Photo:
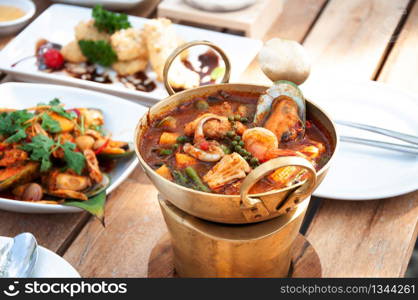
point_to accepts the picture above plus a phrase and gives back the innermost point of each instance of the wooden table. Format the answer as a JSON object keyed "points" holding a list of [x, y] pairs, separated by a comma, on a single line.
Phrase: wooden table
{"points": [[365, 39]]}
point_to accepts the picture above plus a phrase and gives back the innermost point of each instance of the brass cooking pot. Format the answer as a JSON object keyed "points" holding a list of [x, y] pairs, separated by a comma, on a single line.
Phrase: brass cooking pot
{"points": [[243, 208]]}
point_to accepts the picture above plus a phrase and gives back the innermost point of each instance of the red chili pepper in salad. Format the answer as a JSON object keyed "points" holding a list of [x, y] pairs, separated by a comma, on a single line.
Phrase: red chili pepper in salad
{"points": [[76, 111], [102, 147]]}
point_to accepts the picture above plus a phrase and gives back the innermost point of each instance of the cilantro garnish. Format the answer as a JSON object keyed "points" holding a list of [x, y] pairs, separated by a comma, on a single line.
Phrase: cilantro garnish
{"points": [[58, 109], [12, 125], [49, 124], [20, 134], [99, 52], [108, 21], [98, 128], [41, 148], [74, 160]]}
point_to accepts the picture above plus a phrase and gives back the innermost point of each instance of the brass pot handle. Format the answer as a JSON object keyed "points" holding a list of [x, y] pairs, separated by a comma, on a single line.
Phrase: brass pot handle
{"points": [[186, 46], [254, 208]]}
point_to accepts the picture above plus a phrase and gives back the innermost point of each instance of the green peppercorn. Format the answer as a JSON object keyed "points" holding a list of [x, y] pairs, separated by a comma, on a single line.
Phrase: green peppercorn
{"points": [[254, 161], [237, 117], [230, 134], [182, 139], [237, 138], [230, 118], [244, 120], [238, 148], [175, 146], [241, 143]]}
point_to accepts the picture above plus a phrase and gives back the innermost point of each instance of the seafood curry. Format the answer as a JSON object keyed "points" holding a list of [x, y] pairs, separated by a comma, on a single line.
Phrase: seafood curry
{"points": [[211, 143]]}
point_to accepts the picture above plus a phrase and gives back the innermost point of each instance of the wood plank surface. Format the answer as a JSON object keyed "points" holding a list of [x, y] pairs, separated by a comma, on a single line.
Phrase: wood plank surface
{"points": [[401, 66], [57, 231], [363, 238], [131, 232], [350, 38]]}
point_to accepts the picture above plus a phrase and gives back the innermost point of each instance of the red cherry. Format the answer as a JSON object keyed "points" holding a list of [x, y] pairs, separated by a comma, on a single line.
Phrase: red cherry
{"points": [[53, 58]]}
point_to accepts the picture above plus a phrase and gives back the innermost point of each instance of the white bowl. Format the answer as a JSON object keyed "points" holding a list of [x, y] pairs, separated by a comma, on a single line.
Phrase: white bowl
{"points": [[13, 26]]}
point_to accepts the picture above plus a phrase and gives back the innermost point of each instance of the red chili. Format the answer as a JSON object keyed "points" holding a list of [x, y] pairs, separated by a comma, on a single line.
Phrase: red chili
{"points": [[76, 111], [101, 148], [204, 145]]}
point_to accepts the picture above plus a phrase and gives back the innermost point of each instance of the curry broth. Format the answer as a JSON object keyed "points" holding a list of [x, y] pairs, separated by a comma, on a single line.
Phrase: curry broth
{"points": [[187, 112]]}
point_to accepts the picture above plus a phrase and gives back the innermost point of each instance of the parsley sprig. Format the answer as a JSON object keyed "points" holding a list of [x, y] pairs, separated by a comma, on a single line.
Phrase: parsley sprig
{"points": [[108, 21], [41, 147], [99, 52]]}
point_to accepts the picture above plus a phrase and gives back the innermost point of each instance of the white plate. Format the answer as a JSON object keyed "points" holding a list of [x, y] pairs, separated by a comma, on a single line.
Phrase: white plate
{"points": [[362, 172], [57, 25], [121, 117], [110, 4], [49, 264]]}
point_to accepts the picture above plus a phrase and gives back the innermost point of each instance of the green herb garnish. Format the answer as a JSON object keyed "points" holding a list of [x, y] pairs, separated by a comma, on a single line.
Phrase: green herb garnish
{"points": [[55, 106], [74, 160], [108, 21], [99, 52], [49, 124], [12, 125], [41, 148]]}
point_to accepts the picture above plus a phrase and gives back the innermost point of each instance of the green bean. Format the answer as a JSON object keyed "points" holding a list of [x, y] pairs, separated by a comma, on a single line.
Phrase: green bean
{"points": [[179, 178], [230, 134], [196, 179], [165, 151]]}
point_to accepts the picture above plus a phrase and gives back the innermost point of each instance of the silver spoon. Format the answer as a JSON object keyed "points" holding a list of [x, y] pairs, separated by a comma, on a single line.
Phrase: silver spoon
{"points": [[19, 256]]}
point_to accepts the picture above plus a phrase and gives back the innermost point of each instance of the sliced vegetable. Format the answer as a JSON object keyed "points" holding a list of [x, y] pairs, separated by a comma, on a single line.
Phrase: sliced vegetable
{"points": [[168, 138], [164, 171], [184, 160], [192, 174], [65, 124], [14, 176]]}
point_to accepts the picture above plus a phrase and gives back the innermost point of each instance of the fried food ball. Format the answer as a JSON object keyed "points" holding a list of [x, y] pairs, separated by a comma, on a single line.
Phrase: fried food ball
{"points": [[85, 30], [130, 67], [72, 53], [129, 44]]}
